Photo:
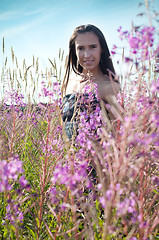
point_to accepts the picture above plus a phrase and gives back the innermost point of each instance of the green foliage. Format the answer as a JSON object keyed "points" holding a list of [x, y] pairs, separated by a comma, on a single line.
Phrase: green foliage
{"points": [[31, 132]]}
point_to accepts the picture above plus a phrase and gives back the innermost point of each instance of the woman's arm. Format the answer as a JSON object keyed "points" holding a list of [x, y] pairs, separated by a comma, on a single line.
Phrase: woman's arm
{"points": [[108, 91]]}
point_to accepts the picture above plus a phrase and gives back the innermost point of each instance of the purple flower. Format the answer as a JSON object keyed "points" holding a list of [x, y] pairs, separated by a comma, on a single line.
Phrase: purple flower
{"points": [[155, 180], [23, 182], [53, 195], [9, 172], [13, 213], [72, 173], [155, 86], [109, 194], [134, 43], [127, 206], [127, 59], [139, 41], [113, 51], [102, 201]]}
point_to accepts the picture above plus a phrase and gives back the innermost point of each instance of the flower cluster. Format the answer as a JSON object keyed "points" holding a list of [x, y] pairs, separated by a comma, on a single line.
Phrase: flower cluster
{"points": [[90, 118], [155, 86], [9, 173], [140, 41], [14, 213], [126, 206], [54, 93], [14, 99], [72, 174], [12, 184], [102, 183]]}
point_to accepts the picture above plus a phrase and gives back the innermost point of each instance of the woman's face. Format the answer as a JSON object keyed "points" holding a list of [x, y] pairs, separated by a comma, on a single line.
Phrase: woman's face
{"points": [[88, 51]]}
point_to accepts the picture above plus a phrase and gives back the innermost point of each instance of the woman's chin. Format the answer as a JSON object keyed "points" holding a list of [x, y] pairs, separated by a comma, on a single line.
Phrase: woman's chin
{"points": [[89, 69]]}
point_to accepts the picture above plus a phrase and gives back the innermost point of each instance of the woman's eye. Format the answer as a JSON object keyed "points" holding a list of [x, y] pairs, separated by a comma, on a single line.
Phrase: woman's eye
{"points": [[93, 46], [80, 48]]}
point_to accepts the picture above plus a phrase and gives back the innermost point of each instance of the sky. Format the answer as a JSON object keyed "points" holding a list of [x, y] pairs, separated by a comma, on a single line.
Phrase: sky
{"points": [[42, 27]]}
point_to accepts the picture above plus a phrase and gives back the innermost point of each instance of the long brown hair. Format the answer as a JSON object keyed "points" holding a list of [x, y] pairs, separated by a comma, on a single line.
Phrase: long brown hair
{"points": [[106, 64]]}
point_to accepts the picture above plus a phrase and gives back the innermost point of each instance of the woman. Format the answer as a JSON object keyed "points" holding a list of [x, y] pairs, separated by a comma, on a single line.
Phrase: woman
{"points": [[88, 53]]}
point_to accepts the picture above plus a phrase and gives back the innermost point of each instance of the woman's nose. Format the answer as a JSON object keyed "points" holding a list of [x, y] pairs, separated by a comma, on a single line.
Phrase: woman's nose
{"points": [[86, 53]]}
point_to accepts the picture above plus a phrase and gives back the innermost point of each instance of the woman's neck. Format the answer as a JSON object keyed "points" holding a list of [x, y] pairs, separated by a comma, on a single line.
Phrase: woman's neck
{"points": [[94, 76]]}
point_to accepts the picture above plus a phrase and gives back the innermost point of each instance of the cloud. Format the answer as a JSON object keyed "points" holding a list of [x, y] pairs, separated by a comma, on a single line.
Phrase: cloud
{"points": [[15, 14], [25, 20], [35, 12], [8, 15], [18, 28]]}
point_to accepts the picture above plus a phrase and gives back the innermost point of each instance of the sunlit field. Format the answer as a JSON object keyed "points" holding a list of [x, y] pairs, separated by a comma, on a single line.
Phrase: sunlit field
{"points": [[104, 183]]}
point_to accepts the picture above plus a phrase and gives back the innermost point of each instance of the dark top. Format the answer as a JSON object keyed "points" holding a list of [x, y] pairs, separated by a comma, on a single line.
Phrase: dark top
{"points": [[72, 105]]}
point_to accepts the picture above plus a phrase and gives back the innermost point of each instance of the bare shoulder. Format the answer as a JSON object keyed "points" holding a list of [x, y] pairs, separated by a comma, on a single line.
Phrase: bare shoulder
{"points": [[108, 87], [73, 84], [110, 83]]}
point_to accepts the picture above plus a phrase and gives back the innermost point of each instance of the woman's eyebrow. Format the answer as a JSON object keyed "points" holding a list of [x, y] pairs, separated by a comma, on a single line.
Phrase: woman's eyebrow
{"points": [[93, 44], [79, 46]]}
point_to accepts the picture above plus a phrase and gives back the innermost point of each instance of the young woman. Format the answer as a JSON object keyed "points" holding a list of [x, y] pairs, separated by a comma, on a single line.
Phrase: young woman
{"points": [[88, 54]]}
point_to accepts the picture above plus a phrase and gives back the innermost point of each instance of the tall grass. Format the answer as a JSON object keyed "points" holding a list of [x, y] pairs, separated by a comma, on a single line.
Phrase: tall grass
{"points": [[104, 183], [27, 79]]}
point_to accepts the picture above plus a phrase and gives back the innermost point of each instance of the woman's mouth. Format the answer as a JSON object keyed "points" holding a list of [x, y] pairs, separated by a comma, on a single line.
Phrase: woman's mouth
{"points": [[88, 62]]}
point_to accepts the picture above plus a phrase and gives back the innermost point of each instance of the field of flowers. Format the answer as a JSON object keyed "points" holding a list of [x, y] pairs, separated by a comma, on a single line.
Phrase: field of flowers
{"points": [[102, 185]]}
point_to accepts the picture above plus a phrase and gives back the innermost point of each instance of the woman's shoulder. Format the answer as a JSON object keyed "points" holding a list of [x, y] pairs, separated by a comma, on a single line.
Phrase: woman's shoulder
{"points": [[108, 87], [111, 79], [73, 84]]}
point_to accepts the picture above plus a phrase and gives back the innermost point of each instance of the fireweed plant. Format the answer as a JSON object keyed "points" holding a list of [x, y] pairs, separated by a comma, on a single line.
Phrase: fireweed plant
{"points": [[104, 183]]}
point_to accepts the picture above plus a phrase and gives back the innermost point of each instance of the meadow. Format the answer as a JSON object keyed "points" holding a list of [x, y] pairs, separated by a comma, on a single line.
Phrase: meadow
{"points": [[102, 185]]}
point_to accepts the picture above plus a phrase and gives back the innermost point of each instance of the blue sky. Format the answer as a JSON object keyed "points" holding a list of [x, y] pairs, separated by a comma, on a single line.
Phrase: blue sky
{"points": [[41, 27]]}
